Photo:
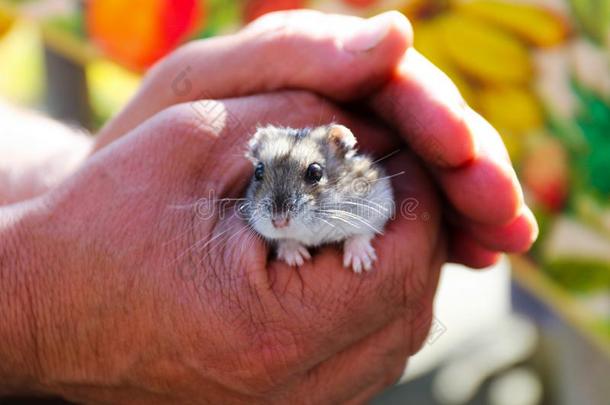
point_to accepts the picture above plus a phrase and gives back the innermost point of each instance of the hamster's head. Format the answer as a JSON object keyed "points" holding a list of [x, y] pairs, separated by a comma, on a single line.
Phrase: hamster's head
{"points": [[295, 174]]}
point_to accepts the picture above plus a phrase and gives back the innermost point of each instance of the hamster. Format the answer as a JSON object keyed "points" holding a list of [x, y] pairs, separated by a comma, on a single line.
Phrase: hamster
{"points": [[310, 187]]}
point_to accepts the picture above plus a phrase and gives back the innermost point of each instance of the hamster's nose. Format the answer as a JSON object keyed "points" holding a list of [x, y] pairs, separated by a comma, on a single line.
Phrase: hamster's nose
{"points": [[280, 221]]}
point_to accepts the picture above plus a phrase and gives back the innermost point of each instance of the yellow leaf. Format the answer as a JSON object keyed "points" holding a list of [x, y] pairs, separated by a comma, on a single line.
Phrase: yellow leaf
{"points": [[466, 90], [410, 8], [533, 24], [5, 23], [514, 144], [428, 41], [483, 51], [514, 109], [110, 87]]}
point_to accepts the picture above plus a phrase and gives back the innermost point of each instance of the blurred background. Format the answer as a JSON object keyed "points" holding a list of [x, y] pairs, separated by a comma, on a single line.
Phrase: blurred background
{"points": [[533, 330]]}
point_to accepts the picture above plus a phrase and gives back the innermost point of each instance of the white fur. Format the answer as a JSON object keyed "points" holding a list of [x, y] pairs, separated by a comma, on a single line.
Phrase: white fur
{"points": [[308, 230]]}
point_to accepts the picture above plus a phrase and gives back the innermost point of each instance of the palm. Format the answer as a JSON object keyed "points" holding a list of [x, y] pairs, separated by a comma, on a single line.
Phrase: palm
{"points": [[199, 285]]}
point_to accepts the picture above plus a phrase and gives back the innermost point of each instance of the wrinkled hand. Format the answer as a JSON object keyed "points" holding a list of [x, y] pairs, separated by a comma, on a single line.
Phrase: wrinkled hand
{"points": [[370, 62], [141, 298]]}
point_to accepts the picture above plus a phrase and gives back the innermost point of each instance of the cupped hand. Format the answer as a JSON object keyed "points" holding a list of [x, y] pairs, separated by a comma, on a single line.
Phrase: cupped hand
{"points": [[152, 288], [369, 63]]}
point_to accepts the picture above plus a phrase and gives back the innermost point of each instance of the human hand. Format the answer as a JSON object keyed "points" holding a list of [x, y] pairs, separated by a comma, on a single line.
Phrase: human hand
{"points": [[139, 298], [36, 153], [369, 62]]}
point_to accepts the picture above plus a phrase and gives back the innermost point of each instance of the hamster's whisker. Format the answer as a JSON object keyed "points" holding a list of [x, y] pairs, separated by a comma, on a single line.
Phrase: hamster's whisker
{"points": [[178, 236], [194, 204], [325, 221], [341, 215], [360, 205], [330, 216], [212, 240], [355, 217], [361, 208], [245, 228], [389, 177], [184, 206], [389, 155], [194, 245], [350, 216], [219, 243], [365, 201], [336, 181]]}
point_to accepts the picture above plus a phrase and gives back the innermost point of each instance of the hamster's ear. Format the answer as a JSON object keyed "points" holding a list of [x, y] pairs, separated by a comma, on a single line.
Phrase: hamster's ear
{"points": [[342, 141], [254, 144]]}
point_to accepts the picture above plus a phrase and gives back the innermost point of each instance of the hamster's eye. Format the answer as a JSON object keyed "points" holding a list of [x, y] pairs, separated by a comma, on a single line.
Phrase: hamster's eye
{"points": [[259, 171], [314, 173]]}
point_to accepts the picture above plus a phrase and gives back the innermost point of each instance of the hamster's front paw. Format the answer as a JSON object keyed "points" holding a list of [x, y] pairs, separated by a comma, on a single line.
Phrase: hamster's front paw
{"points": [[292, 252], [358, 253]]}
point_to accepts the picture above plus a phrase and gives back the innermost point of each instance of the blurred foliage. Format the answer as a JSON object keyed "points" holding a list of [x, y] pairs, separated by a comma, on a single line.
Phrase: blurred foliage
{"points": [[491, 49], [593, 17], [6, 23], [593, 120], [110, 88], [580, 275], [22, 65]]}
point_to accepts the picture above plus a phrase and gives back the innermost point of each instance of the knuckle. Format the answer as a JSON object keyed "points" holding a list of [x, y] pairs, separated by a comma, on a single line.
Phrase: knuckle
{"points": [[303, 101], [415, 282], [405, 26], [309, 99], [272, 28], [409, 273], [297, 108], [189, 121], [281, 19], [422, 323], [274, 350], [293, 39], [272, 357], [394, 373], [397, 287], [290, 31]]}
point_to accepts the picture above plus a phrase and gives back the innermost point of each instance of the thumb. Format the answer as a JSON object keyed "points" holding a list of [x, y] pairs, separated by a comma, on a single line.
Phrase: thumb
{"points": [[337, 56]]}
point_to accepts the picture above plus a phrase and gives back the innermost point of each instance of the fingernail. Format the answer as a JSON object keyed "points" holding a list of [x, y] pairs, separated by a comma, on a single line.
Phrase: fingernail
{"points": [[474, 121], [369, 34], [533, 222]]}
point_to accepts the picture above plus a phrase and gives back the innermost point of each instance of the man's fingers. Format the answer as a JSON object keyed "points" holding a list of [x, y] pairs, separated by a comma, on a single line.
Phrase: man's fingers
{"points": [[322, 307], [505, 224], [514, 237], [337, 56], [479, 245], [354, 54], [429, 112], [379, 359], [198, 132], [376, 361], [464, 249], [487, 181], [467, 154]]}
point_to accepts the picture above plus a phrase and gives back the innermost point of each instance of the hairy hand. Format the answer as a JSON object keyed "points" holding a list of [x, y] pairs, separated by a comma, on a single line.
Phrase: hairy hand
{"points": [[371, 64], [144, 295]]}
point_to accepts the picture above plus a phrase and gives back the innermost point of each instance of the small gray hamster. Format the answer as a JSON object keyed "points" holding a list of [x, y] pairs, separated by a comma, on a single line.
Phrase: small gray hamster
{"points": [[311, 187]]}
